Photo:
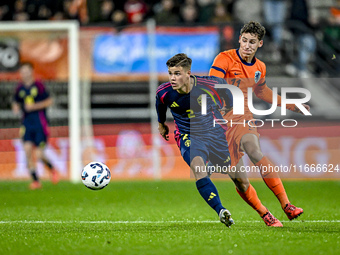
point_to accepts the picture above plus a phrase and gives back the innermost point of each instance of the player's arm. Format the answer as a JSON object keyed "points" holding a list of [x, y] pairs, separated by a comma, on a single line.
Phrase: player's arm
{"points": [[161, 113], [164, 130], [39, 105], [266, 94], [15, 108], [219, 67], [227, 98]]}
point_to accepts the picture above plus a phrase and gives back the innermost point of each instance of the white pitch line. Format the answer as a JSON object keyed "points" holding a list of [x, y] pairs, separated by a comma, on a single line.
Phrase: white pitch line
{"points": [[150, 222]]}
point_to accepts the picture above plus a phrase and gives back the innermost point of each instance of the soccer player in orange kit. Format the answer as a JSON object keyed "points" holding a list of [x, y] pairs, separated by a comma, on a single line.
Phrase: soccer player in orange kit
{"points": [[241, 68]]}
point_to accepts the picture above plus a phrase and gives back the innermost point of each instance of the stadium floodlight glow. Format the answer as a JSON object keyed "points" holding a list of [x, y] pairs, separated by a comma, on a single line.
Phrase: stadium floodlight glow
{"points": [[72, 29]]}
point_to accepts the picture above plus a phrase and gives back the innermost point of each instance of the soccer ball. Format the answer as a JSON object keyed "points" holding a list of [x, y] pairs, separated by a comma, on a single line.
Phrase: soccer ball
{"points": [[96, 175]]}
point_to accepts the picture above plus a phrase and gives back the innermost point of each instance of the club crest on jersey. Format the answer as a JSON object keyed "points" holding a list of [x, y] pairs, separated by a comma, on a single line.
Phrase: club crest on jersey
{"points": [[34, 91], [257, 76], [22, 93], [199, 100]]}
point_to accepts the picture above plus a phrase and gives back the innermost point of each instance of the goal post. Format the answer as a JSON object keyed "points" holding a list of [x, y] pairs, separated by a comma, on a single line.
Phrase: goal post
{"points": [[72, 29], [153, 84]]}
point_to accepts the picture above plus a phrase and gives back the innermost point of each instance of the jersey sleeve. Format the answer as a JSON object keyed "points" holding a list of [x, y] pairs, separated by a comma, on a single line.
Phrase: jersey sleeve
{"points": [[220, 66], [161, 109], [226, 95], [16, 97], [43, 93], [228, 99], [266, 94], [262, 91]]}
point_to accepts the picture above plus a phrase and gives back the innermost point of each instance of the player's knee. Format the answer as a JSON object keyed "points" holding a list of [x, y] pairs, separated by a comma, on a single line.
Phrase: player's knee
{"points": [[241, 184], [39, 156], [253, 151], [30, 164], [198, 167]]}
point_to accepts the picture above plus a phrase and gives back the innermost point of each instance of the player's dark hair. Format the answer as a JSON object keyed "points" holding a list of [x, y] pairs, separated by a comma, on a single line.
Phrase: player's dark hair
{"points": [[29, 64], [255, 28], [180, 59]]}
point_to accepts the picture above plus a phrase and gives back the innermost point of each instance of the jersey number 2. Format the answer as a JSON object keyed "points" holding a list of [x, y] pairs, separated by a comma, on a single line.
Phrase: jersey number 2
{"points": [[190, 113]]}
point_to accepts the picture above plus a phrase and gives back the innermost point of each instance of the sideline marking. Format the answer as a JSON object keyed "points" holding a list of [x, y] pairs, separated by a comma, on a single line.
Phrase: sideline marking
{"points": [[149, 222]]}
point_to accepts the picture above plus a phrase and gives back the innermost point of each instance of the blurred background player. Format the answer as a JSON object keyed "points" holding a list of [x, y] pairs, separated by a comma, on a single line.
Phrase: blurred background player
{"points": [[240, 68], [32, 99]]}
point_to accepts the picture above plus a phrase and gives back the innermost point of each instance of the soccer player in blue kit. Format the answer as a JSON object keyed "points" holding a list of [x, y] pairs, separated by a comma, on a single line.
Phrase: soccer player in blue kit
{"points": [[197, 137], [32, 99]]}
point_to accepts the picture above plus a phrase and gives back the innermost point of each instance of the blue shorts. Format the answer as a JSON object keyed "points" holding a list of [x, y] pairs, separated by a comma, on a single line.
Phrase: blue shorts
{"points": [[210, 148], [34, 134]]}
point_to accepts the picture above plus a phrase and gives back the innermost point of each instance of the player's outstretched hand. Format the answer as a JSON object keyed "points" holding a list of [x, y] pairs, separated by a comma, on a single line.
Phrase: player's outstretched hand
{"points": [[225, 110], [29, 107], [164, 130], [16, 109], [304, 105]]}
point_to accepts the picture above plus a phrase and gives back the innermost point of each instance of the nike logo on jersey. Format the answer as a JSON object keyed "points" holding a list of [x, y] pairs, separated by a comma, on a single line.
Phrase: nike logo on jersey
{"points": [[237, 73], [212, 195], [174, 104]]}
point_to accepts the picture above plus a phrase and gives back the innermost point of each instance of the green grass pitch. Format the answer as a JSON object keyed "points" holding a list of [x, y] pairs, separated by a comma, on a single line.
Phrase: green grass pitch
{"points": [[165, 217]]}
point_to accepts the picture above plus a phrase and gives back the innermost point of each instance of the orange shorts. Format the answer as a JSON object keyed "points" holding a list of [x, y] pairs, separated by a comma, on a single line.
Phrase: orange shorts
{"points": [[234, 135]]}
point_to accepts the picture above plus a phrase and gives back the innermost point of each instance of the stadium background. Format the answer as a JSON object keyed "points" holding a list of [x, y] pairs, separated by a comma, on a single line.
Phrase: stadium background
{"points": [[114, 64]]}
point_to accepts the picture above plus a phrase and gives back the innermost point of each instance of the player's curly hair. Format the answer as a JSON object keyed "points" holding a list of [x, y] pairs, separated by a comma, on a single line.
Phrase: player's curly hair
{"points": [[255, 28], [180, 59]]}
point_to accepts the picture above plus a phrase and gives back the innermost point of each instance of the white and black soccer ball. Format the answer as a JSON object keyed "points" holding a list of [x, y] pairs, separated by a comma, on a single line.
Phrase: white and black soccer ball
{"points": [[96, 175]]}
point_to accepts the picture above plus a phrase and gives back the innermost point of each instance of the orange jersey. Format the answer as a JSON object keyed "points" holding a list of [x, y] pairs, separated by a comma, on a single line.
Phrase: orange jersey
{"points": [[230, 66]]}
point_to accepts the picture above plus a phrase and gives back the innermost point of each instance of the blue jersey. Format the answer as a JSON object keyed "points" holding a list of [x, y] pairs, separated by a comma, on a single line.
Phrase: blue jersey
{"points": [[187, 108], [29, 95]]}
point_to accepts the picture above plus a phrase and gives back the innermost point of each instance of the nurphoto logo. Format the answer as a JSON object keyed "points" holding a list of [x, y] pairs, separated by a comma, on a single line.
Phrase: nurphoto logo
{"points": [[238, 105]]}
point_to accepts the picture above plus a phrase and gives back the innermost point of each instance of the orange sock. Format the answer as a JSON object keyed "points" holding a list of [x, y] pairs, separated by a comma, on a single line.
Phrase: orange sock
{"points": [[252, 199], [273, 180]]}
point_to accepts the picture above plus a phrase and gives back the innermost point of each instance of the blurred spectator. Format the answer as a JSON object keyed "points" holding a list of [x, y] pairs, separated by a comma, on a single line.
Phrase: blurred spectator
{"points": [[73, 9], [109, 13], [119, 18], [77, 9], [93, 10], [246, 10], [167, 13], [220, 15], [206, 10], [39, 9], [229, 5], [189, 2], [135, 10], [6, 9], [189, 14], [334, 17], [274, 15], [332, 33], [303, 35], [20, 13], [44, 13], [106, 10], [61, 10]]}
